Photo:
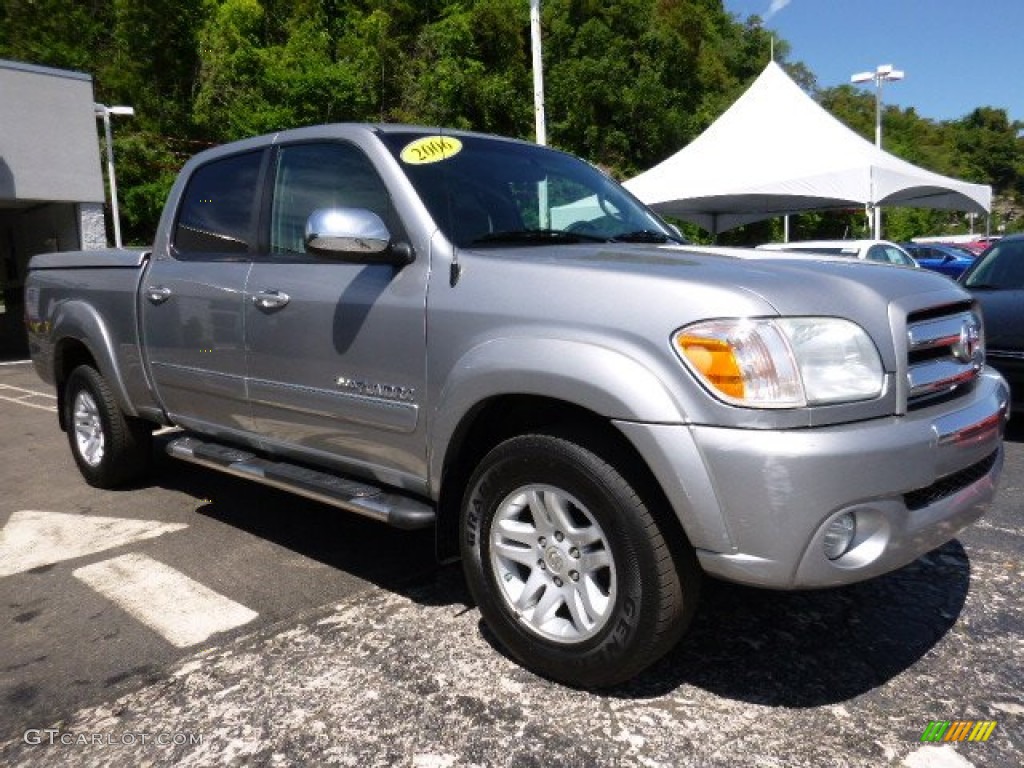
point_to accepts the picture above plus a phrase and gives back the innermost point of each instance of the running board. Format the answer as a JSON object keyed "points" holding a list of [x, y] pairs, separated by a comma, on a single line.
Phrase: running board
{"points": [[393, 509]]}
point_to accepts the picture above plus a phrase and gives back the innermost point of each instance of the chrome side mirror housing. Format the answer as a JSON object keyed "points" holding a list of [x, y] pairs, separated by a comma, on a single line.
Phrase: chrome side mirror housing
{"points": [[354, 235]]}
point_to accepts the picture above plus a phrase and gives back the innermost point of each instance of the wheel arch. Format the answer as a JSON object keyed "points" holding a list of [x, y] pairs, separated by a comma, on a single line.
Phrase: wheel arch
{"points": [[501, 417], [68, 355], [83, 339]]}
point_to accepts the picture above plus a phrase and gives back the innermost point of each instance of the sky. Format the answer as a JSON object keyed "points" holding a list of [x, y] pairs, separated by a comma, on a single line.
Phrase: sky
{"points": [[956, 55]]}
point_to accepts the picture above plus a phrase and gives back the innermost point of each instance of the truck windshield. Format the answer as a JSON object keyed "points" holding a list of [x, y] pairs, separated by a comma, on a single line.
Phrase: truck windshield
{"points": [[486, 192], [1000, 267]]}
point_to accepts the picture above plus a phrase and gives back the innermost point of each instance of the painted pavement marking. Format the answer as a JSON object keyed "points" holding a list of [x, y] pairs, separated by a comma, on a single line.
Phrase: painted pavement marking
{"points": [[184, 611], [32, 539], [6, 394]]}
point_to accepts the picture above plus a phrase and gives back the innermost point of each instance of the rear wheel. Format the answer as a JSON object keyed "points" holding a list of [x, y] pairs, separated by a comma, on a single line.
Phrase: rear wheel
{"points": [[569, 566], [110, 448]]}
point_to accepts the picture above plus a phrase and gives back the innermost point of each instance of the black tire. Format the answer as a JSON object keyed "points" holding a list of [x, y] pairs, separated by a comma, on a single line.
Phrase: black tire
{"points": [[110, 449], [602, 600]]}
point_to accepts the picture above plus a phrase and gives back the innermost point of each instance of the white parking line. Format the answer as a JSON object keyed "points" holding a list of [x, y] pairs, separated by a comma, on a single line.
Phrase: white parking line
{"points": [[16, 362], [16, 401], [28, 391], [32, 538], [184, 611], [23, 399]]}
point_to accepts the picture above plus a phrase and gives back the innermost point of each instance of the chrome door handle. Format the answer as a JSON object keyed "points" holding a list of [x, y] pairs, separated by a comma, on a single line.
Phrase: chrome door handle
{"points": [[158, 294], [270, 299]]}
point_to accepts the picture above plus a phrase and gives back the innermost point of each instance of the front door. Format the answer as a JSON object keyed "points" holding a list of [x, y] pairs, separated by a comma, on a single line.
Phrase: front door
{"points": [[337, 351]]}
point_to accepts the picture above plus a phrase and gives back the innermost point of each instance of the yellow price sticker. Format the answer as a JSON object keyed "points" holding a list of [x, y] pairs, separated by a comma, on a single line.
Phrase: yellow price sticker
{"points": [[430, 149]]}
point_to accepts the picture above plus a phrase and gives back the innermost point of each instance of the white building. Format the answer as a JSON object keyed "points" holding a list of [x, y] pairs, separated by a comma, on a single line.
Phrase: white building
{"points": [[51, 183]]}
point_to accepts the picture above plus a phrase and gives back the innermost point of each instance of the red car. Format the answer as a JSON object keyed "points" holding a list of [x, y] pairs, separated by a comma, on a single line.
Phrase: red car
{"points": [[977, 246]]}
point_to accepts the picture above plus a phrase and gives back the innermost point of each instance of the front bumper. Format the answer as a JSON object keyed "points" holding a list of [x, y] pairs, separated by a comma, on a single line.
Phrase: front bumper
{"points": [[755, 503], [1010, 363]]}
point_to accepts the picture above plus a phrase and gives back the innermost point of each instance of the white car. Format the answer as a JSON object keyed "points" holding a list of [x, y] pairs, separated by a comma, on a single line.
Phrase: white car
{"points": [[881, 251]]}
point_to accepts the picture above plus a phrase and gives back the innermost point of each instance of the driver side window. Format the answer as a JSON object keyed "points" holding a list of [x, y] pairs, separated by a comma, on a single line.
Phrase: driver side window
{"points": [[325, 175]]}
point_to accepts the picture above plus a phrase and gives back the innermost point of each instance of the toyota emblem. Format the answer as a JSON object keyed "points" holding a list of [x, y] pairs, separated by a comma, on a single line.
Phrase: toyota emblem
{"points": [[967, 349]]}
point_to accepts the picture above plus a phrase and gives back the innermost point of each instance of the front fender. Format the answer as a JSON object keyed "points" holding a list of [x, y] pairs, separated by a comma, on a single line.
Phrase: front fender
{"points": [[600, 379]]}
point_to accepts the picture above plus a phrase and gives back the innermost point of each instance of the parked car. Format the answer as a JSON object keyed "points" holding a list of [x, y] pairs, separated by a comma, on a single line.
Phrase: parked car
{"points": [[939, 257], [881, 251], [979, 245], [969, 253], [996, 280]]}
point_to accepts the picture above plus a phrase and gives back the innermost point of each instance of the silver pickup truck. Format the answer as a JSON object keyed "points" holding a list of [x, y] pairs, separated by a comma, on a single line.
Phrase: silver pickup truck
{"points": [[440, 328]]}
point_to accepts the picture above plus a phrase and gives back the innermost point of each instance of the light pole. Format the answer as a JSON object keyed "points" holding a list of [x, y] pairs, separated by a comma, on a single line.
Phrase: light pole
{"points": [[538, 73], [103, 111], [883, 73], [538, 105]]}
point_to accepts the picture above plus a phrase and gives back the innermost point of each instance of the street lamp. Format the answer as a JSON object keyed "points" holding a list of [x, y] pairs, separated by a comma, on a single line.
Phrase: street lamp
{"points": [[538, 104], [883, 73], [538, 73], [103, 111]]}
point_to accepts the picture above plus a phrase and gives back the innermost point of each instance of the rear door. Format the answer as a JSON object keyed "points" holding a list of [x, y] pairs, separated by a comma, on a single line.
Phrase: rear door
{"points": [[337, 351], [193, 296]]}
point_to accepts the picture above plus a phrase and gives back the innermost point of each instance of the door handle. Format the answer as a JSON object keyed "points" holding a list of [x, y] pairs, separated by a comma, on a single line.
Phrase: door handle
{"points": [[158, 294], [270, 299]]}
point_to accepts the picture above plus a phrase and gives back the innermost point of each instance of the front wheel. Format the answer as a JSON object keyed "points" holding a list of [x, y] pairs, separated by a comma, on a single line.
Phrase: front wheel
{"points": [[110, 449], [568, 565]]}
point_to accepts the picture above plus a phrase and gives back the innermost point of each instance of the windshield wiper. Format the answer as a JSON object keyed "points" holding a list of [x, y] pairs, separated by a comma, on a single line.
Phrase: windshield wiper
{"points": [[539, 236], [643, 236]]}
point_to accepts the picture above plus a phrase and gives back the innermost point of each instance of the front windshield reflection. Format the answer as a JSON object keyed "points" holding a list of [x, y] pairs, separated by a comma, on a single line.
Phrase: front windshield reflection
{"points": [[486, 192]]}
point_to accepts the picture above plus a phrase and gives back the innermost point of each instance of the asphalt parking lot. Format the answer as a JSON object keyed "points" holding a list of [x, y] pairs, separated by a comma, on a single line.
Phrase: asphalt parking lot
{"points": [[306, 637]]}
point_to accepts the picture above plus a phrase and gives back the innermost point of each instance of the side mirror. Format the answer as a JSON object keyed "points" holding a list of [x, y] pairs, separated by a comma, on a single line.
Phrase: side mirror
{"points": [[354, 235]]}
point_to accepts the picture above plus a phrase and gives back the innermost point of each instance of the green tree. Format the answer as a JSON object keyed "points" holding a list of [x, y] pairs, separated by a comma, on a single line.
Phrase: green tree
{"points": [[230, 101], [989, 146], [55, 33], [627, 83], [471, 69]]}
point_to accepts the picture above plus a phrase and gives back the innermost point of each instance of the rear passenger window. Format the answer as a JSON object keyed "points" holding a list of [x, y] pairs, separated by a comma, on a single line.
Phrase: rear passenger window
{"points": [[217, 216]]}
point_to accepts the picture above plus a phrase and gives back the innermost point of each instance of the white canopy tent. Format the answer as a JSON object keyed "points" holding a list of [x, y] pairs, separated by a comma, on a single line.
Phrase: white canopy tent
{"points": [[775, 152]]}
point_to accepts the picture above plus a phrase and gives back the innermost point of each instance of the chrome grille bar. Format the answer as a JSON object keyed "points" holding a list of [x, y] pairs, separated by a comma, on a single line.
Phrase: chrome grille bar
{"points": [[938, 333], [945, 353]]}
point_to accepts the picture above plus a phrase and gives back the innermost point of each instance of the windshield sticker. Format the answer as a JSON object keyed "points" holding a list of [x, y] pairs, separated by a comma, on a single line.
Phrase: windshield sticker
{"points": [[431, 149]]}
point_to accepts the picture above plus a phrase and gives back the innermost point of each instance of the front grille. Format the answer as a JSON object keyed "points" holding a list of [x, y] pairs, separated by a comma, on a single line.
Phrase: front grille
{"points": [[950, 484], [945, 353]]}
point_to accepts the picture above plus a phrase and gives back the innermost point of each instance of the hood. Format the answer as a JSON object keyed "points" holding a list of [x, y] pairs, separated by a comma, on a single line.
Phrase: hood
{"points": [[630, 300], [689, 283]]}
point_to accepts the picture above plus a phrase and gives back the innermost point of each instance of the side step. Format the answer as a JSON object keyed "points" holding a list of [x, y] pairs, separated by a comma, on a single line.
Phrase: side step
{"points": [[393, 509]]}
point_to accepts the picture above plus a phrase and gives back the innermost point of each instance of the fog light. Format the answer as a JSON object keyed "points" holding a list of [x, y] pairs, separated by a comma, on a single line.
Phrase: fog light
{"points": [[839, 536]]}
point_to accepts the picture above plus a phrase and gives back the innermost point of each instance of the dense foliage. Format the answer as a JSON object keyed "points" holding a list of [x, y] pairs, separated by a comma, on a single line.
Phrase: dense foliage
{"points": [[627, 83]]}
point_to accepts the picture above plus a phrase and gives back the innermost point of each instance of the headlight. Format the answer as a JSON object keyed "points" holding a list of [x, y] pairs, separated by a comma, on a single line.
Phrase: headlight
{"points": [[782, 362]]}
